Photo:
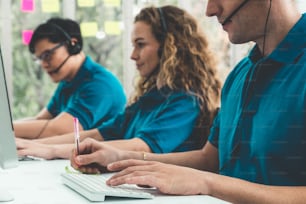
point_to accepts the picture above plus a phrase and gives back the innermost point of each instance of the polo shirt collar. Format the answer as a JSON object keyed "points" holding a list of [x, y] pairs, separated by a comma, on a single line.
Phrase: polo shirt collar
{"points": [[290, 48], [80, 74], [154, 97]]}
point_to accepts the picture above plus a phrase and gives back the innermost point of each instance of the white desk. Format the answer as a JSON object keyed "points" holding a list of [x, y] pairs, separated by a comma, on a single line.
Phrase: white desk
{"points": [[39, 182]]}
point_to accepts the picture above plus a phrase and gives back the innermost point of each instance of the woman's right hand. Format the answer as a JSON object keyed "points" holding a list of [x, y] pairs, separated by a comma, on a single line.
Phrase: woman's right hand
{"points": [[94, 156]]}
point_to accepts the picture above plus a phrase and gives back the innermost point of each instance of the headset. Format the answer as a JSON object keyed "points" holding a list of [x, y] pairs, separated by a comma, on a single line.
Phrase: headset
{"points": [[162, 20], [164, 27], [72, 47], [235, 11]]}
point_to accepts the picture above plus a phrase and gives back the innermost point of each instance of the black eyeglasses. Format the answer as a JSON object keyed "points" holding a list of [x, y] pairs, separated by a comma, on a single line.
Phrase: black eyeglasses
{"points": [[46, 56]]}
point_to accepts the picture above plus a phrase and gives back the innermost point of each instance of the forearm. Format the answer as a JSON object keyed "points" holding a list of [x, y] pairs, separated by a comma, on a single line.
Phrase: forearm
{"points": [[135, 144], [29, 129], [46, 151], [239, 191], [204, 159], [63, 151], [69, 138], [36, 129], [58, 139], [193, 159], [170, 158], [93, 133]]}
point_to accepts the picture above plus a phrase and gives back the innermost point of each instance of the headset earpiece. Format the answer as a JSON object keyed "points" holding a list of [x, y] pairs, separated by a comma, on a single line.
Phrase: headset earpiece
{"points": [[72, 47]]}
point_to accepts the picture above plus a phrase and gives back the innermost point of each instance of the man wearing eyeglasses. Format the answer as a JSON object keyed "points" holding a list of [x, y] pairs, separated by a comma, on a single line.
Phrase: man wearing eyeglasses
{"points": [[86, 90]]}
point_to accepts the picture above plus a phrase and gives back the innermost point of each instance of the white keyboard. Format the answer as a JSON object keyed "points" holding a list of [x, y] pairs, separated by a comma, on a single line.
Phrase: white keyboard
{"points": [[94, 187]]}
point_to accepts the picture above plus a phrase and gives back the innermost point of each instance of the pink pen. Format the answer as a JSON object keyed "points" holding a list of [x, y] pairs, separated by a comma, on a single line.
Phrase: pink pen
{"points": [[76, 133]]}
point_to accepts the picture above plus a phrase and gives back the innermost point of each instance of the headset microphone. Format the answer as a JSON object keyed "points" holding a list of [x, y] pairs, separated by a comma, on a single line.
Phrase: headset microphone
{"points": [[60, 66], [234, 12]]}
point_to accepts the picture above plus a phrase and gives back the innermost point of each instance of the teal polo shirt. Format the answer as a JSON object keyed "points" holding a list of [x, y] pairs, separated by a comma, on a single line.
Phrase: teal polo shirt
{"points": [[94, 96], [260, 129], [164, 119]]}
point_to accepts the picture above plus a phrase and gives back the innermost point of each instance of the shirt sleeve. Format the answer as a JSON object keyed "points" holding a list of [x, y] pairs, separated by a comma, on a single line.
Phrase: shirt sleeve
{"points": [[172, 125], [214, 131], [88, 103], [91, 103], [94, 96], [114, 128], [53, 106]]}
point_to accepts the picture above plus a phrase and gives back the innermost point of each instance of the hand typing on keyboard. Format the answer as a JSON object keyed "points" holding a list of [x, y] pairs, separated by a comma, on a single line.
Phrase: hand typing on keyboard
{"points": [[160, 176]]}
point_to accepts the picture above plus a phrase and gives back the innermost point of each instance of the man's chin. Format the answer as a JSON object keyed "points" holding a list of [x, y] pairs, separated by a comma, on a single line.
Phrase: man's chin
{"points": [[54, 79]]}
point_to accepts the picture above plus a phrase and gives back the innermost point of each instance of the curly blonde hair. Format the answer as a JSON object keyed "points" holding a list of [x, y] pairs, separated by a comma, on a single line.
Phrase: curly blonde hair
{"points": [[186, 62]]}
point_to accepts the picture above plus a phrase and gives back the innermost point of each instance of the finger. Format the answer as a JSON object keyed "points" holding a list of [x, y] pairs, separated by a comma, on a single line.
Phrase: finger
{"points": [[123, 164], [93, 169], [29, 152], [84, 147], [89, 170], [86, 159], [73, 161], [145, 178], [134, 170], [22, 152], [141, 178], [88, 146], [20, 144]]}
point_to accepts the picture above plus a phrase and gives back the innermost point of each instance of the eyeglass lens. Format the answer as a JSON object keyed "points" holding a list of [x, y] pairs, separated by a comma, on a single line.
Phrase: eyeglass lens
{"points": [[47, 55]]}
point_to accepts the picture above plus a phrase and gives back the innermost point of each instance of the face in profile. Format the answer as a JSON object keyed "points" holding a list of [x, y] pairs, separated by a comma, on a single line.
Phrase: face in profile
{"points": [[245, 25], [49, 56], [145, 51]]}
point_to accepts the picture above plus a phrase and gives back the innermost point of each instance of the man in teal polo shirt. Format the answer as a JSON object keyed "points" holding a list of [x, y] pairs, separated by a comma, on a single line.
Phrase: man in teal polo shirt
{"points": [[260, 133], [85, 90], [256, 151]]}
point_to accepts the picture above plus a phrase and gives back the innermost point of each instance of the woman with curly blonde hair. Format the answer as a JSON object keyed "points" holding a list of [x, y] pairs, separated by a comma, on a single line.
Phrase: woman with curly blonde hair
{"points": [[186, 63], [176, 95]]}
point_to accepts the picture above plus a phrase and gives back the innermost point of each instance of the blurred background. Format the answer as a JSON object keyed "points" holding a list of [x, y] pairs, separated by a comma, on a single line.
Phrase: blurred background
{"points": [[106, 26]]}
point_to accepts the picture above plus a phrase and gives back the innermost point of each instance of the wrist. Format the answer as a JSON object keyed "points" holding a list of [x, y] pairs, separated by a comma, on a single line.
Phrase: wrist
{"points": [[55, 152], [207, 183], [60, 151], [123, 155]]}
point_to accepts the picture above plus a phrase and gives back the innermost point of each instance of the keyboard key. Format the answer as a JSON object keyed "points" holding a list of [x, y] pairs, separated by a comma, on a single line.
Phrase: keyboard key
{"points": [[94, 187]]}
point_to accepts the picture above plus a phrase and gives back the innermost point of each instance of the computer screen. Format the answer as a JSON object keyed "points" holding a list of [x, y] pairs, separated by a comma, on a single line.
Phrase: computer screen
{"points": [[8, 152]]}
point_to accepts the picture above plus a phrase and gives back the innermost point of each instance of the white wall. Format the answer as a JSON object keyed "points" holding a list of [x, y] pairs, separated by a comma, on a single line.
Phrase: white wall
{"points": [[301, 5]]}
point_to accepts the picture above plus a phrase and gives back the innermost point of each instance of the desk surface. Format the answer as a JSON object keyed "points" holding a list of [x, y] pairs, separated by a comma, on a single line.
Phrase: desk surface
{"points": [[39, 182]]}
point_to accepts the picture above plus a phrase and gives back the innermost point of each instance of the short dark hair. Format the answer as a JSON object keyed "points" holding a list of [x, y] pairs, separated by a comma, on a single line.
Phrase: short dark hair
{"points": [[56, 30]]}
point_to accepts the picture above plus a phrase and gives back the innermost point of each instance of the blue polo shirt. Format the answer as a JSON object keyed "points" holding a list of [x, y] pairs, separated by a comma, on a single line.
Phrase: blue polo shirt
{"points": [[94, 95], [164, 119], [260, 130]]}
